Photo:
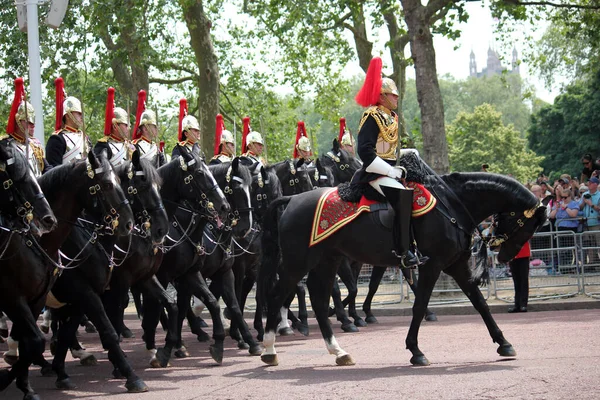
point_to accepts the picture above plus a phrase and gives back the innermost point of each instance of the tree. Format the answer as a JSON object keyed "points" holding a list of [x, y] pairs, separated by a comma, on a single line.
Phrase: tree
{"points": [[481, 138], [569, 128]]}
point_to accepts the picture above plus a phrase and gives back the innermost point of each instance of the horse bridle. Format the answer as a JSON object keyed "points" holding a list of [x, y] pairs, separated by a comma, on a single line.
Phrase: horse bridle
{"points": [[338, 162], [204, 202], [496, 240], [294, 181], [143, 217], [24, 209], [233, 216]]}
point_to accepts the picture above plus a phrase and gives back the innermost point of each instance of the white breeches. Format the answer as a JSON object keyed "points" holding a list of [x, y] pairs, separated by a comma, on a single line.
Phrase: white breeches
{"points": [[385, 181]]}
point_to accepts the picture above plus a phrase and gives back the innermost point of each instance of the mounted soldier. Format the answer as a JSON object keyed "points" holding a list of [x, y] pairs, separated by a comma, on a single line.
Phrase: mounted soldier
{"points": [[252, 146], [224, 143], [302, 147], [116, 133], [20, 127], [345, 138], [189, 129], [378, 142], [145, 133], [67, 143]]}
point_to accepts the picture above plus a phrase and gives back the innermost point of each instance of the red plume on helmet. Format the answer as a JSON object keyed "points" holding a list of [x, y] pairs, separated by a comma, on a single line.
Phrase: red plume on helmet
{"points": [[182, 114], [19, 93], [110, 111], [301, 131], [59, 84], [245, 132], [342, 129], [218, 132], [141, 107], [369, 93]]}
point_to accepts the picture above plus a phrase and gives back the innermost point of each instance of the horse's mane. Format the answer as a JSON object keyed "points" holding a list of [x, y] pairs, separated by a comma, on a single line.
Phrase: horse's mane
{"points": [[169, 172], [476, 181], [21, 164], [280, 166], [57, 178], [219, 171], [276, 190]]}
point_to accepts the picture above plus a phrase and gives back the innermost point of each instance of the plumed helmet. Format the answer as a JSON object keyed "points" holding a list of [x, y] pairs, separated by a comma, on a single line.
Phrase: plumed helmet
{"points": [[346, 139], [22, 115], [148, 118], [254, 137], [71, 104], [227, 137], [304, 143], [389, 86], [189, 122], [120, 116]]}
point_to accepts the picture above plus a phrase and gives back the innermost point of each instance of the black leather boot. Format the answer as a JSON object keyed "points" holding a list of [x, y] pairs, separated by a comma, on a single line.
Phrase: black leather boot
{"points": [[401, 202]]}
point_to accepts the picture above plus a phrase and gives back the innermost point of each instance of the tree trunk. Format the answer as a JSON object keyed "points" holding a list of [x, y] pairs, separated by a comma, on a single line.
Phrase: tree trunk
{"points": [[435, 146], [199, 27]]}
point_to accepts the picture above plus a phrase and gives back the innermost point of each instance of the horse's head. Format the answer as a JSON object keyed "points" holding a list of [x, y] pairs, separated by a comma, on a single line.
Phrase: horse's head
{"points": [[320, 175], [141, 183], [294, 179], [102, 197], [265, 188], [512, 229], [195, 183], [342, 163], [22, 203], [235, 180]]}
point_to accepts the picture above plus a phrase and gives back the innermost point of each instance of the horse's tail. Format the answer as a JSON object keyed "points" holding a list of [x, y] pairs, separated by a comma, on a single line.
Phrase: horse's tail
{"points": [[267, 272], [480, 272]]}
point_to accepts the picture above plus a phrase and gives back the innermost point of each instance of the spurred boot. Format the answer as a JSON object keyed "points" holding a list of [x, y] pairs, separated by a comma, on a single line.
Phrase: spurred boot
{"points": [[401, 202]]}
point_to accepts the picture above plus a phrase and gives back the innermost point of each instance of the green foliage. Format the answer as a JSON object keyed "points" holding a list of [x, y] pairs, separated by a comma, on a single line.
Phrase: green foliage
{"points": [[482, 138], [569, 128]]}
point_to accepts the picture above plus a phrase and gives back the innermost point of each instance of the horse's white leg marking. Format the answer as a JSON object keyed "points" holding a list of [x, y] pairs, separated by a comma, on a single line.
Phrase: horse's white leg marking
{"points": [[334, 348], [284, 318], [269, 343], [13, 347]]}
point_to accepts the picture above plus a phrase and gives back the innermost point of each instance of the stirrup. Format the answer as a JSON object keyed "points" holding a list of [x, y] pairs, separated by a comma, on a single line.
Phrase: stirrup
{"points": [[408, 260]]}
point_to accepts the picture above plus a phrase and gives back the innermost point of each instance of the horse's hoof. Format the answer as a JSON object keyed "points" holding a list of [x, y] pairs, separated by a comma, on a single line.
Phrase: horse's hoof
{"points": [[46, 371], [5, 379], [256, 350], [270, 359], [53, 347], [10, 360], [371, 320], [287, 331], [346, 359], [31, 396], [506, 350], [90, 328], [260, 337], [202, 323], [421, 361], [243, 345], [117, 374], [216, 352], [137, 386], [163, 357], [331, 311], [203, 337], [65, 384], [360, 322], [181, 353], [349, 327], [301, 327], [89, 361], [431, 317], [127, 334]]}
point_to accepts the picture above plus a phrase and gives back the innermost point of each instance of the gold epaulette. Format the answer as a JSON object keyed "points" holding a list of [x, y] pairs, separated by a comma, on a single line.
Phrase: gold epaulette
{"points": [[57, 132], [135, 141], [103, 139], [5, 136], [184, 143]]}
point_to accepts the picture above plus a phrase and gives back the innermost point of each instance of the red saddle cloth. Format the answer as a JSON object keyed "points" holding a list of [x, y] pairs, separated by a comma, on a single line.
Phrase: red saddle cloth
{"points": [[333, 213]]}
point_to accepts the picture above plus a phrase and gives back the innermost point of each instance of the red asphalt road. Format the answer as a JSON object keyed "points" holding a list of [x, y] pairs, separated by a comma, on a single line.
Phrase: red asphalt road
{"points": [[558, 357]]}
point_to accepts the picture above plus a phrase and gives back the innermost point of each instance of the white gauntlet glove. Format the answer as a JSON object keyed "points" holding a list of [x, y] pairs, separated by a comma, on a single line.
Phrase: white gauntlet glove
{"points": [[397, 172]]}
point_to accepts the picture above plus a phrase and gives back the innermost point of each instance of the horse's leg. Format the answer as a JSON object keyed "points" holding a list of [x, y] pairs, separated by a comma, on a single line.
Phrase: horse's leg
{"points": [[350, 301], [239, 270], [93, 308], [320, 282], [302, 324], [376, 276], [427, 278], [409, 276], [460, 273], [153, 289], [346, 275], [284, 328], [31, 344], [69, 318], [340, 313], [200, 289], [225, 280], [184, 297]]}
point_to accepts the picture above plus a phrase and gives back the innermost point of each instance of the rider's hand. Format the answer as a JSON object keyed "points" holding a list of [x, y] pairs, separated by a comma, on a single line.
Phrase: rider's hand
{"points": [[397, 173]]}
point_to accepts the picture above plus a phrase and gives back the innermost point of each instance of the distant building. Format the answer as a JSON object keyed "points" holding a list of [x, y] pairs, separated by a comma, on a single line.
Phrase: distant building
{"points": [[493, 67]]}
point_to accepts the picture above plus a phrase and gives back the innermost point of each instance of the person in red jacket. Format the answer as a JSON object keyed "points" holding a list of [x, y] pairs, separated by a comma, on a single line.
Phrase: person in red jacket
{"points": [[519, 269]]}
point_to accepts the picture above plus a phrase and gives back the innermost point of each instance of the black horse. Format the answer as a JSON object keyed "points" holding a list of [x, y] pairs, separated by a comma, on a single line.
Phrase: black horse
{"points": [[444, 235], [33, 265]]}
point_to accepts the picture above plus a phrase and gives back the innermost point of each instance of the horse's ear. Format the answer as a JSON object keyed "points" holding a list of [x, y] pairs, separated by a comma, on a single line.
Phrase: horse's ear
{"points": [[319, 166], [235, 164], [184, 152], [299, 163], [335, 146], [196, 149], [263, 173], [94, 160], [4, 155], [135, 158]]}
